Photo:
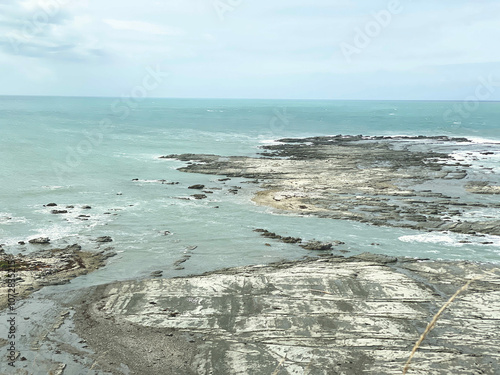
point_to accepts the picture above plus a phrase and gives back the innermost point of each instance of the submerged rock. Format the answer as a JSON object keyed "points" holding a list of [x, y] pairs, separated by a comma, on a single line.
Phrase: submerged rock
{"points": [[104, 239], [267, 234], [197, 187], [199, 196]]}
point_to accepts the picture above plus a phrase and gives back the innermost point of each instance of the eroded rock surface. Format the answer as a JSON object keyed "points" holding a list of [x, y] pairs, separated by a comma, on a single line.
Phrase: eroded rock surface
{"points": [[320, 316]]}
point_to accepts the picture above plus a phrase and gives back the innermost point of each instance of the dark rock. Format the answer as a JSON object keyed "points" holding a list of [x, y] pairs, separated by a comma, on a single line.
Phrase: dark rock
{"points": [[156, 274], [70, 206], [51, 205], [224, 179], [135, 179], [182, 260], [317, 245], [291, 239], [267, 234], [86, 207], [104, 239], [22, 243], [59, 212], [40, 240], [198, 187], [199, 196]]}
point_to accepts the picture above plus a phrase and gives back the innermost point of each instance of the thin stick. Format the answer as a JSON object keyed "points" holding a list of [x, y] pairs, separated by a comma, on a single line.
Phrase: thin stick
{"points": [[431, 325], [321, 291], [279, 365]]}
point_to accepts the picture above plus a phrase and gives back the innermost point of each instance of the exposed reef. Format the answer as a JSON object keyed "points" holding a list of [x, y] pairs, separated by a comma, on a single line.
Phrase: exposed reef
{"points": [[405, 182]]}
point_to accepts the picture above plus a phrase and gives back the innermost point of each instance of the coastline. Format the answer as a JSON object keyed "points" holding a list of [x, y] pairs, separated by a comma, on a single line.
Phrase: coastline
{"points": [[324, 314]]}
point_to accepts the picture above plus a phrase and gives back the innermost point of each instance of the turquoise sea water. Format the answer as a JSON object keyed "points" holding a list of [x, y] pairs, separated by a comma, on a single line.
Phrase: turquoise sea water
{"points": [[86, 151]]}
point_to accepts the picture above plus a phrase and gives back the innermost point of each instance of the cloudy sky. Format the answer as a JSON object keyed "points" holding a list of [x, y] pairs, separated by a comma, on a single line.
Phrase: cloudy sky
{"points": [[330, 49]]}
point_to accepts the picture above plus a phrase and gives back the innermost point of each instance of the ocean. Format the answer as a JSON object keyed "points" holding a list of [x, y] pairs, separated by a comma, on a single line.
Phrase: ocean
{"points": [[88, 151]]}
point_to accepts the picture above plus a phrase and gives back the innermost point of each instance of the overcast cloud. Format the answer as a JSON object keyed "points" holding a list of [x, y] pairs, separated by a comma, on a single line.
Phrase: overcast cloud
{"points": [[333, 49]]}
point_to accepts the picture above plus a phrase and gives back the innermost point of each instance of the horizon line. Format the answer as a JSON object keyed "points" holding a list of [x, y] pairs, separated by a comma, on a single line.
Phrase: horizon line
{"points": [[225, 98]]}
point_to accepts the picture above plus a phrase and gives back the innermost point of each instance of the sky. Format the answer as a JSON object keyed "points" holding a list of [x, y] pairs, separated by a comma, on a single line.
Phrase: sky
{"points": [[279, 49]]}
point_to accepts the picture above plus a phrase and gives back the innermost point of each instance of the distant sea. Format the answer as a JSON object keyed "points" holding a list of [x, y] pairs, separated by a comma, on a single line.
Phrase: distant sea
{"points": [[88, 151]]}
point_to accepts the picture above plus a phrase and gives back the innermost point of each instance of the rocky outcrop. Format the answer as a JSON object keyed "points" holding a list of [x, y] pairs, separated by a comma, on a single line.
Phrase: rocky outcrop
{"points": [[375, 180], [317, 245], [274, 236], [331, 315], [56, 212], [40, 240], [47, 267], [104, 239], [199, 196], [482, 187]]}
